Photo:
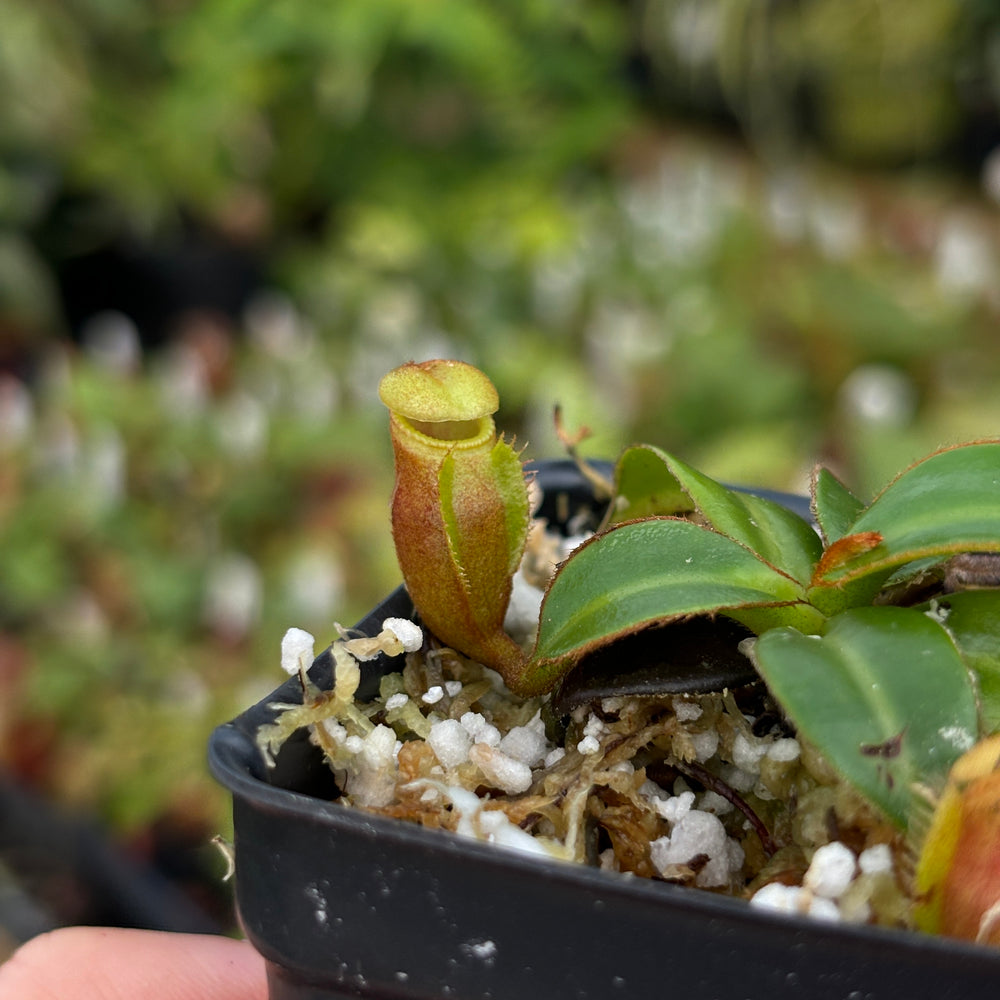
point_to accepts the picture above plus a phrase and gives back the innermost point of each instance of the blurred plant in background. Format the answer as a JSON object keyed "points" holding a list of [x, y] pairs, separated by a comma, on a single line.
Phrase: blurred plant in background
{"points": [[874, 82], [761, 234], [145, 520]]}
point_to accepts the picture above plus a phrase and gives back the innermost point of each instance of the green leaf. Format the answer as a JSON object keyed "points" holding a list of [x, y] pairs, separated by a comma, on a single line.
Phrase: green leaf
{"points": [[645, 486], [650, 572], [948, 503], [834, 505], [972, 618], [655, 482], [884, 695], [778, 535]]}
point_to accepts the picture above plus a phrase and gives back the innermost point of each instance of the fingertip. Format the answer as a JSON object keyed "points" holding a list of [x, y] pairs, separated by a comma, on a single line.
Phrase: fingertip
{"points": [[99, 963]]}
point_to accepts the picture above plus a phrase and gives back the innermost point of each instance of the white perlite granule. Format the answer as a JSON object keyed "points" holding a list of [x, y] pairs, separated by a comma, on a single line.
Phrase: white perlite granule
{"points": [[737, 778], [796, 900], [527, 743], [828, 888], [673, 808], [698, 835], [714, 803], [297, 650], [480, 729], [784, 751], [395, 701], [450, 742], [335, 730], [686, 711], [410, 635], [704, 744], [432, 695], [876, 860], [747, 753], [508, 774], [523, 608], [594, 727], [831, 870], [592, 733], [398, 635], [371, 779], [492, 825]]}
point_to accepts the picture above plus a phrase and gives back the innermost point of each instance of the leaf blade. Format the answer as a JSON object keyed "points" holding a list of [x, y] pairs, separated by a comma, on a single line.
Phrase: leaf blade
{"points": [[972, 618], [652, 481], [884, 695], [834, 505], [944, 504], [652, 571], [645, 487]]}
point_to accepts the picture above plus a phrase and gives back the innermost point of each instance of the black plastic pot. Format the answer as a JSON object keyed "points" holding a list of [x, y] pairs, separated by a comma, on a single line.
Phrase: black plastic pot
{"points": [[344, 904]]}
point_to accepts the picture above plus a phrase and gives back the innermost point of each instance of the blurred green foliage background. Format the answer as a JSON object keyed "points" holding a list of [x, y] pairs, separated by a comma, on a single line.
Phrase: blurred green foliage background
{"points": [[759, 233]]}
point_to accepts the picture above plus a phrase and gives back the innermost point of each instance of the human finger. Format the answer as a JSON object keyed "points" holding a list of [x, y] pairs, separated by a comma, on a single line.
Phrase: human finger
{"points": [[99, 963]]}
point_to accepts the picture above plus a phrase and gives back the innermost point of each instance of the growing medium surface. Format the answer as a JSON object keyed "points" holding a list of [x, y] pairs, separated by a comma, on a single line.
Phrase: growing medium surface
{"points": [[712, 791], [806, 778]]}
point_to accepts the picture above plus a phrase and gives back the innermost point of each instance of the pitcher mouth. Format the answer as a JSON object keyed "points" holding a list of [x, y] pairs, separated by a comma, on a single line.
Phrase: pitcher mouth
{"points": [[461, 433]]}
